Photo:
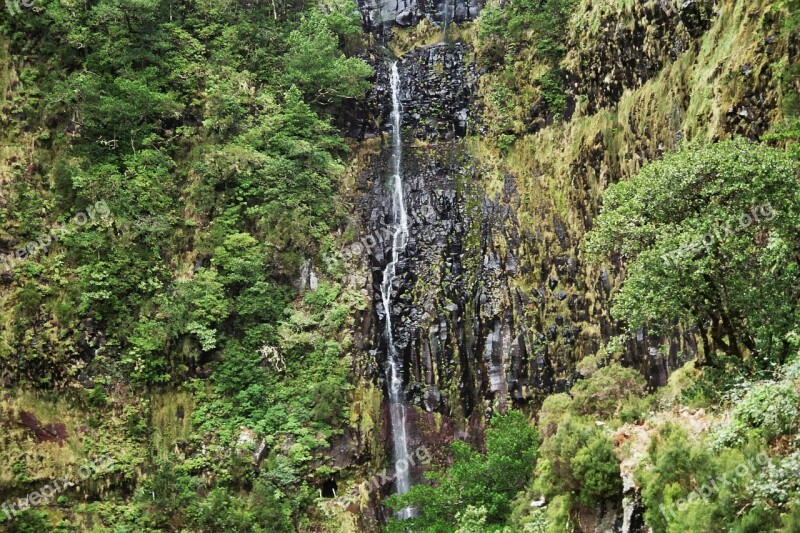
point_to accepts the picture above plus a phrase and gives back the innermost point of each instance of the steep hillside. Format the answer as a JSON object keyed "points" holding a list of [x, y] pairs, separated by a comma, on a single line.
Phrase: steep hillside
{"points": [[399, 265]]}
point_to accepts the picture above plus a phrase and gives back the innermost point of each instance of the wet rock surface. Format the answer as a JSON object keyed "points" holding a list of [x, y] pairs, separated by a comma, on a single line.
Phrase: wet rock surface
{"points": [[473, 339], [380, 15], [437, 91], [437, 95]]}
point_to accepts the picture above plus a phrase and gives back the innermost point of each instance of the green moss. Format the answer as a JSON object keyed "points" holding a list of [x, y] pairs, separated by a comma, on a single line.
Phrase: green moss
{"points": [[171, 415]]}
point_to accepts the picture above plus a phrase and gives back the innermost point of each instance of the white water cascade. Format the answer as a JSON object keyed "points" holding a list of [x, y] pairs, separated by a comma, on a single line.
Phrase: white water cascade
{"points": [[394, 366]]}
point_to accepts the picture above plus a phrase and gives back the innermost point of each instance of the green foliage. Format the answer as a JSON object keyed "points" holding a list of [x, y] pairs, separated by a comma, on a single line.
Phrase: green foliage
{"points": [[521, 43], [756, 520], [606, 391], [771, 409], [596, 468], [778, 484], [315, 64], [739, 283], [473, 520], [580, 459], [540, 22], [166, 493], [30, 521], [206, 127], [553, 409], [579, 468], [479, 487], [166, 104], [553, 93], [688, 487], [791, 520], [788, 133], [678, 466]]}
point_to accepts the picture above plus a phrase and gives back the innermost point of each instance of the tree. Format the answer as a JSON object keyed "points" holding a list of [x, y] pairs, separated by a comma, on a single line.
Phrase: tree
{"points": [[579, 458], [479, 487], [710, 237], [315, 64]]}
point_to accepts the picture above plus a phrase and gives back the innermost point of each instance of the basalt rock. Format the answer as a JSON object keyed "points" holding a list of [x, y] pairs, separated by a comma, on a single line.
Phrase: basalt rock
{"points": [[627, 50], [381, 15], [458, 320], [437, 95]]}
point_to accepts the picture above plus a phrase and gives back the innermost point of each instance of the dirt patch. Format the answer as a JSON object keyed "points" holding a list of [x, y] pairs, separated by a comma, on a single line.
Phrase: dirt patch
{"points": [[633, 440]]}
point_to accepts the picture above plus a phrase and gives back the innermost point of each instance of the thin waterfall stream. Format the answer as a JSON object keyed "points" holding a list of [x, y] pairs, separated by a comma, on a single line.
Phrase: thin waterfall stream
{"points": [[394, 366]]}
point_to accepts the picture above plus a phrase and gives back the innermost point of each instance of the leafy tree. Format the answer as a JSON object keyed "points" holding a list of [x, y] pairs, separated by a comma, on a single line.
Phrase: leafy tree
{"points": [[315, 64], [580, 459], [478, 486], [709, 235]]}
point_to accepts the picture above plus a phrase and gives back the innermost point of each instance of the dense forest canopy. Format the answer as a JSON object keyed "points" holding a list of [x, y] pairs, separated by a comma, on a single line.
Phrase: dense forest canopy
{"points": [[179, 179]]}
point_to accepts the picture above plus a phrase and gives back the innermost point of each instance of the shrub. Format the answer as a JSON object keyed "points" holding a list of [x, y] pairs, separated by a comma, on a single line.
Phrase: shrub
{"points": [[596, 469], [580, 459], [770, 410], [605, 392]]}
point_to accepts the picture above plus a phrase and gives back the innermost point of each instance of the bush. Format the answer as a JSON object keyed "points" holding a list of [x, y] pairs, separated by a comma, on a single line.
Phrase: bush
{"points": [[607, 390], [677, 465], [580, 459], [596, 469], [770, 410]]}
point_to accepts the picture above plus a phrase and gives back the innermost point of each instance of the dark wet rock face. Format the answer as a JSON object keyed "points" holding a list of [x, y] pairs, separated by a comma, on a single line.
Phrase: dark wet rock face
{"points": [[380, 15], [436, 91], [473, 340], [458, 320], [452, 308]]}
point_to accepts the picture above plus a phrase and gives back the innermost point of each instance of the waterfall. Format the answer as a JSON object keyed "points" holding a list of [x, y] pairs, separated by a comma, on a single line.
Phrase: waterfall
{"points": [[394, 370], [628, 506]]}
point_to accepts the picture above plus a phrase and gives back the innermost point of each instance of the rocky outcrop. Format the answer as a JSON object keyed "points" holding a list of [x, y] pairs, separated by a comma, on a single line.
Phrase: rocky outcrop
{"points": [[380, 15], [486, 311], [616, 49], [437, 87]]}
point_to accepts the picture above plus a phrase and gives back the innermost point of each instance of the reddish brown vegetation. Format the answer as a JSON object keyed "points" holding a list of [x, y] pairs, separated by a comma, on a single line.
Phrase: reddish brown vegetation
{"points": [[52, 432]]}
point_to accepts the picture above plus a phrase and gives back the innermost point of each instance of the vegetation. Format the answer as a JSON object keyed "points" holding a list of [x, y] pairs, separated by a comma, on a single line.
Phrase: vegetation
{"points": [[174, 334], [206, 129], [478, 487], [522, 43], [710, 235]]}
